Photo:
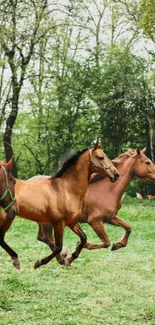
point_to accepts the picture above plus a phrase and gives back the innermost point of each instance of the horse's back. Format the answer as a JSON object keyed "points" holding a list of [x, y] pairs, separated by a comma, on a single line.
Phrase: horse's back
{"points": [[38, 178]]}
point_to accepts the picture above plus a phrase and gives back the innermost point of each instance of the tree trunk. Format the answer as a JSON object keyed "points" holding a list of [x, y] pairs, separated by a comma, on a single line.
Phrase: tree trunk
{"points": [[151, 137], [9, 127]]}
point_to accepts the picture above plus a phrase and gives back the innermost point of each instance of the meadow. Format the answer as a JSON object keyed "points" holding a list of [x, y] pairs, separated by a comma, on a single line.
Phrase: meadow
{"points": [[101, 287]]}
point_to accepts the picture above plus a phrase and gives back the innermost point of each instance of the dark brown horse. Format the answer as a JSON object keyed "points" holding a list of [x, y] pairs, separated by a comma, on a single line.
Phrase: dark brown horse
{"points": [[7, 191], [58, 200], [103, 199]]}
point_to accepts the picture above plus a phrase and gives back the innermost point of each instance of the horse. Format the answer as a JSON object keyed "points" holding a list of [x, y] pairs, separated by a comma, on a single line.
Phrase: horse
{"points": [[103, 199], [58, 200], [150, 197], [7, 190], [139, 196]]}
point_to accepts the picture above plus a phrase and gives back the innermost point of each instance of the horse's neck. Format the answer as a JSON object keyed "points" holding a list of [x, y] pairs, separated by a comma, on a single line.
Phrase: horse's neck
{"points": [[20, 181], [126, 173], [19, 184], [78, 176]]}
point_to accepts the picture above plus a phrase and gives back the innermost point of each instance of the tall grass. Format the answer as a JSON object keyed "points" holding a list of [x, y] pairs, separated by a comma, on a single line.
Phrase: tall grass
{"points": [[101, 287]]}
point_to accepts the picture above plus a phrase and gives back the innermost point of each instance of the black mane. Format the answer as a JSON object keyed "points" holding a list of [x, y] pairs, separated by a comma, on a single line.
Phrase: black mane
{"points": [[69, 162]]}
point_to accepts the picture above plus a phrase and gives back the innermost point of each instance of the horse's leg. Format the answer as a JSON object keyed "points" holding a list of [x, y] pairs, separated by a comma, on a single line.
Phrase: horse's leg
{"points": [[3, 229], [99, 229], [58, 235], [116, 221], [45, 235], [75, 227]]}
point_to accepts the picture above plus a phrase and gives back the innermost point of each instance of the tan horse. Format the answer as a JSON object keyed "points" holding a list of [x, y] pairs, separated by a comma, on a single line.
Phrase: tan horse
{"points": [[58, 200], [98, 211], [7, 190], [103, 199], [150, 197]]}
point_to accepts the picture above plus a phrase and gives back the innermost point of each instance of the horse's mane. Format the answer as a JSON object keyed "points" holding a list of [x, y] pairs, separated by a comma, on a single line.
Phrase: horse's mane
{"points": [[2, 163], [123, 156], [69, 162]]}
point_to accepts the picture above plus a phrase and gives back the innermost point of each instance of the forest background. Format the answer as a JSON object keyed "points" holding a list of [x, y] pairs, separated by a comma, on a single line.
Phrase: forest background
{"points": [[71, 72]]}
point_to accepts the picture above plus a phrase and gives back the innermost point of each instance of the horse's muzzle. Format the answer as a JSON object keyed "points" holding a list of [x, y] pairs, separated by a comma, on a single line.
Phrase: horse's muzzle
{"points": [[11, 214], [115, 177]]}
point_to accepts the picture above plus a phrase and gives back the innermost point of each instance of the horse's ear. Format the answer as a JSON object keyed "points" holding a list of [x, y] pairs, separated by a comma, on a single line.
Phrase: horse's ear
{"points": [[143, 150], [116, 162], [97, 145], [138, 151], [10, 163]]}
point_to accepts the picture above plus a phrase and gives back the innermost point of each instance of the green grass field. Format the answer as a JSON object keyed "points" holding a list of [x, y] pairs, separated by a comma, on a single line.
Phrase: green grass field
{"points": [[101, 287]]}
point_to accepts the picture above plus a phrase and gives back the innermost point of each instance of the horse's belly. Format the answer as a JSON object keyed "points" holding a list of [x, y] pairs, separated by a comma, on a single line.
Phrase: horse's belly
{"points": [[33, 216], [35, 211]]}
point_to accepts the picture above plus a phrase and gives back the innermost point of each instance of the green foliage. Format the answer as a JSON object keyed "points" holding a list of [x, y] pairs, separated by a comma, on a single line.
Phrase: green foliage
{"points": [[89, 102], [147, 17], [118, 90], [81, 81], [134, 187], [64, 120]]}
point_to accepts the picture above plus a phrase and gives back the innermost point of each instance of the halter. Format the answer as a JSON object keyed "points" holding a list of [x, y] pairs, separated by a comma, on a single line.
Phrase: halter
{"points": [[7, 191], [91, 158]]}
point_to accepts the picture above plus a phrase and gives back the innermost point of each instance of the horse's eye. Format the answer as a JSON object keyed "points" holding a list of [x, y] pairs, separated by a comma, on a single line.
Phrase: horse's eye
{"points": [[101, 158], [147, 162]]}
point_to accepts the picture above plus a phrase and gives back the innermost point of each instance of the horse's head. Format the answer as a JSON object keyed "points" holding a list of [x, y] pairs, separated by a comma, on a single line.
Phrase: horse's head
{"points": [[7, 190], [102, 164], [143, 167]]}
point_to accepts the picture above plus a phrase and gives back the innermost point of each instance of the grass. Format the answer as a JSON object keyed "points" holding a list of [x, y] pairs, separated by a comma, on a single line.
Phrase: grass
{"points": [[101, 287]]}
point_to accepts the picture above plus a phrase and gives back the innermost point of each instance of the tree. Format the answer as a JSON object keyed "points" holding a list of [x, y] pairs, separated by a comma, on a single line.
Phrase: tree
{"points": [[18, 42], [146, 18], [146, 11]]}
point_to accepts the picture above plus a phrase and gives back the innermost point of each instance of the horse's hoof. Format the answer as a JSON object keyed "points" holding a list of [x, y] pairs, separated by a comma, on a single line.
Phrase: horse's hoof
{"points": [[17, 266], [37, 264], [64, 252], [16, 263], [67, 261], [114, 247], [60, 259]]}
